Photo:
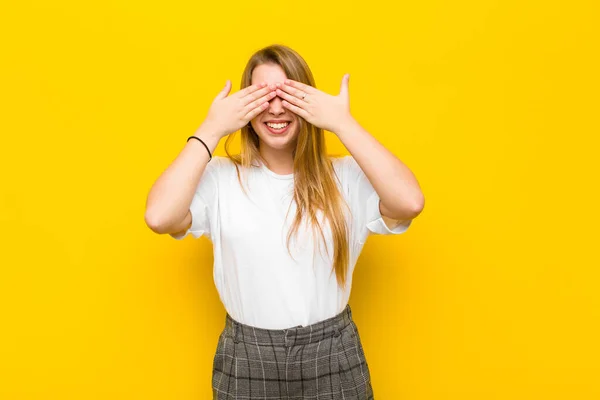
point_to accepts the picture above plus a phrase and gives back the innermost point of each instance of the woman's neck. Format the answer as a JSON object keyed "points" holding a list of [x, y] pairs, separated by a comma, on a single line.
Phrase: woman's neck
{"points": [[279, 161]]}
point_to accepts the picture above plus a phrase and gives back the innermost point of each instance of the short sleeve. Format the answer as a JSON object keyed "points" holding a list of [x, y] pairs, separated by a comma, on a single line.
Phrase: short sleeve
{"points": [[204, 203], [364, 204]]}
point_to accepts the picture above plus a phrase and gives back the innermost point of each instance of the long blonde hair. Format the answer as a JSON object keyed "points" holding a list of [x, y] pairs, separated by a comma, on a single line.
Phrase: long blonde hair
{"points": [[315, 187]]}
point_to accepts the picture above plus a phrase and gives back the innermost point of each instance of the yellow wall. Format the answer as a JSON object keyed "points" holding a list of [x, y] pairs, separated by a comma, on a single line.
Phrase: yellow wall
{"points": [[493, 293]]}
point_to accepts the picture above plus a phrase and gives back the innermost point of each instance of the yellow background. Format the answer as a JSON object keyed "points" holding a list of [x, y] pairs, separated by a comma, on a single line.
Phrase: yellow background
{"points": [[492, 294]]}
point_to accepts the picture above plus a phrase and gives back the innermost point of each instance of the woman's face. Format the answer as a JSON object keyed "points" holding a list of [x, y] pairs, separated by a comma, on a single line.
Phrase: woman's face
{"points": [[283, 134]]}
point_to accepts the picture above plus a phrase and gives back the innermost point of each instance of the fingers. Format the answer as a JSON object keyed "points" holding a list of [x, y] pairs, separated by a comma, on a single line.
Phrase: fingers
{"points": [[250, 89], [260, 102], [299, 94], [225, 91], [253, 113], [300, 86], [344, 85], [291, 99], [257, 94], [295, 109]]}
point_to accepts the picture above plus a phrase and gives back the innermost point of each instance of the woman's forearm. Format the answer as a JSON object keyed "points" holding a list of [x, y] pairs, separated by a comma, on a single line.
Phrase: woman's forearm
{"points": [[171, 195], [397, 187]]}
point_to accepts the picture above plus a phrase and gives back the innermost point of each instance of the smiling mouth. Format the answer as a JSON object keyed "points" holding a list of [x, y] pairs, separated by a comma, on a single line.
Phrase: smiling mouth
{"points": [[278, 127]]}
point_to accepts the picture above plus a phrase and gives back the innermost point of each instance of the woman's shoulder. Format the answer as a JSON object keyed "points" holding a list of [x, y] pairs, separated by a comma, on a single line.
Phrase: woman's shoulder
{"points": [[222, 165], [342, 163], [221, 162]]}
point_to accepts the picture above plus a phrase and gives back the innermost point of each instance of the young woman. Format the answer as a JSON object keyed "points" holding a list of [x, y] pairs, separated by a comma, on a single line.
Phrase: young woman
{"points": [[287, 222]]}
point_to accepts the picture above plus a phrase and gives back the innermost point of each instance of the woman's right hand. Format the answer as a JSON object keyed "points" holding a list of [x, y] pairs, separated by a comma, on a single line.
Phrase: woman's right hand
{"points": [[228, 114]]}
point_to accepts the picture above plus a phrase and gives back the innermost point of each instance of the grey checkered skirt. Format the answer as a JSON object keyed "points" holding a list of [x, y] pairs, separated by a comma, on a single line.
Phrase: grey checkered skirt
{"points": [[322, 361]]}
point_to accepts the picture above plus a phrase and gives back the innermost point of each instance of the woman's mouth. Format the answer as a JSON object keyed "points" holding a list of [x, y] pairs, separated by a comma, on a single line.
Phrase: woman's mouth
{"points": [[278, 127]]}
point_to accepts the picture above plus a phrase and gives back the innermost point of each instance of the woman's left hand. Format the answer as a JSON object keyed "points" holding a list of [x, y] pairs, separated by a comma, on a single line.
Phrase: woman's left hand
{"points": [[316, 107]]}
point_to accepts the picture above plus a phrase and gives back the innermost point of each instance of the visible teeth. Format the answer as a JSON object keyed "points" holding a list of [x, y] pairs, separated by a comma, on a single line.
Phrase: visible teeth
{"points": [[278, 126]]}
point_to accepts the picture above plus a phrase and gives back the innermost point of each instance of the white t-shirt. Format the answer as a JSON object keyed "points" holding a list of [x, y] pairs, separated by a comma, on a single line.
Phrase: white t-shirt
{"points": [[258, 282]]}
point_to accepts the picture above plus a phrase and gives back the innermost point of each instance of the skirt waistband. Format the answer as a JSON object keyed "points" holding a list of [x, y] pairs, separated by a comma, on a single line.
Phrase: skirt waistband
{"points": [[287, 337]]}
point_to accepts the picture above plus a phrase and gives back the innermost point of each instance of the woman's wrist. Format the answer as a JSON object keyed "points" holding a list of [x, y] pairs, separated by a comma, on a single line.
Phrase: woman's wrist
{"points": [[209, 137]]}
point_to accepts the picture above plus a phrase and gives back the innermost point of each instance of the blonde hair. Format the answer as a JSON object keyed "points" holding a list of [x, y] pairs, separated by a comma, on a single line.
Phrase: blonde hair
{"points": [[315, 187]]}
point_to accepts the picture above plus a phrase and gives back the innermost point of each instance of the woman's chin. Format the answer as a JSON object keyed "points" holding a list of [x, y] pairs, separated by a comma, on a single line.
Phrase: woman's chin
{"points": [[280, 142]]}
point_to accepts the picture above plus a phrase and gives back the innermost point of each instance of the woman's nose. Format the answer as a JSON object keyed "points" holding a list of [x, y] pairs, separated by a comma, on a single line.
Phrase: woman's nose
{"points": [[276, 106]]}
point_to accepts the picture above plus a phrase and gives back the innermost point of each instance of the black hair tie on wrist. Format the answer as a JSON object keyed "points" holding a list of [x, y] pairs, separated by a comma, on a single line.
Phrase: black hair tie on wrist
{"points": [[201, 141]]}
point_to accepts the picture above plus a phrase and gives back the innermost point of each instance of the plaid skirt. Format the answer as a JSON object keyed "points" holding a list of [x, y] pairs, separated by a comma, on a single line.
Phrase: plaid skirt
{"points": [[322, 361]]}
